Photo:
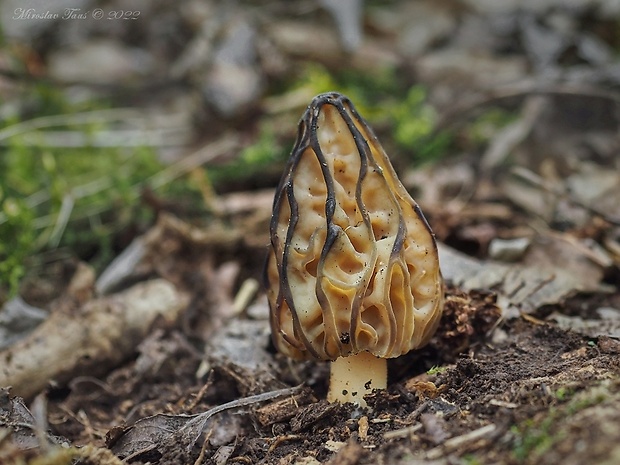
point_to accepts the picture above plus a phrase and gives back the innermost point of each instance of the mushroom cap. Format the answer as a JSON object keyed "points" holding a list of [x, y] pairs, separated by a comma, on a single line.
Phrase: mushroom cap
{"points": [[353, 264]]}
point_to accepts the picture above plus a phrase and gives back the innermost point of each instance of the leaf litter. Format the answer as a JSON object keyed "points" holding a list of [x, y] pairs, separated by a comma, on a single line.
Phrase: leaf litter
{"points": [[518, 366], [525, 366]]}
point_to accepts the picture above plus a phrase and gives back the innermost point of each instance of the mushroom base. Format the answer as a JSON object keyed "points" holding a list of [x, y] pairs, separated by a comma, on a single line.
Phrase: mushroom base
{"points": [[353, 377]]}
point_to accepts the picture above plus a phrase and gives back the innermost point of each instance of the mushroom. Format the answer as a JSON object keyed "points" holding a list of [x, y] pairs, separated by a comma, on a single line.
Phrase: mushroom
{"points": [[352, 275]]}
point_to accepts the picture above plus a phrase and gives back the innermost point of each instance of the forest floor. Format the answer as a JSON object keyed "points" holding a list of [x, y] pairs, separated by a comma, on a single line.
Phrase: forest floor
{"points": [[523, 196]]}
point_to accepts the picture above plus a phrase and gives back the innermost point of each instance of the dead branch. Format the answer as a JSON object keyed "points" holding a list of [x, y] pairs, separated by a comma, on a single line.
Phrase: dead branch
{"points": [[89, 340]]}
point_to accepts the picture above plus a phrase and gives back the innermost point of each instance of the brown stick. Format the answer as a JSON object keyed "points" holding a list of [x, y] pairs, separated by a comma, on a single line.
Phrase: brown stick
{"points": [[90, 340]]}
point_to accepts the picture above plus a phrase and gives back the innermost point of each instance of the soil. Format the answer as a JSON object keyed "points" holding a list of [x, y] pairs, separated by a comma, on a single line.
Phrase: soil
{"points": [[518, 392]]}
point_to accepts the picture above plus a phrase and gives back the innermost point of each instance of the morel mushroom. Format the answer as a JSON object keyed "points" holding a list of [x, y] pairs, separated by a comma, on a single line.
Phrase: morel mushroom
{"points": [[352, 274]]}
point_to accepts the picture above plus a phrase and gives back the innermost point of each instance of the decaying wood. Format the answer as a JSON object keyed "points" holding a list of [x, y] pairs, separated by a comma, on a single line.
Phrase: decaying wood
{"points": [[89, 339]]}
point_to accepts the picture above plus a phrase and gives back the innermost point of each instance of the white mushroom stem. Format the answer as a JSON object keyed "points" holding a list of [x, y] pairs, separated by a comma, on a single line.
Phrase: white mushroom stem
{"points": [[355, 376]]}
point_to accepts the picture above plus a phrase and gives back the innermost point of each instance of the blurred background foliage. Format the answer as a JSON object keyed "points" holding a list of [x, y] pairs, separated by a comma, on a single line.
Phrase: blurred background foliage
{"points": [[94, 113], [80, 198]]}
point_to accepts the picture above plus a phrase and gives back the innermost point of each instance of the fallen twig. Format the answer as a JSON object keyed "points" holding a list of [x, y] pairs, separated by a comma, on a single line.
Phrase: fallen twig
{"points": [[96, 336]]}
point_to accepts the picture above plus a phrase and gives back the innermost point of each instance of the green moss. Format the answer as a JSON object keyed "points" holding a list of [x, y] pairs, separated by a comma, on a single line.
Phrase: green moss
{"points": [[534, 437], [436, 370], [588, 399], [470, 460], [563, 393], [386, 102], [96, 190], [73, 197], [485, 126], [414, 124], [373, 94], [16, 237], [253, 160]]}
